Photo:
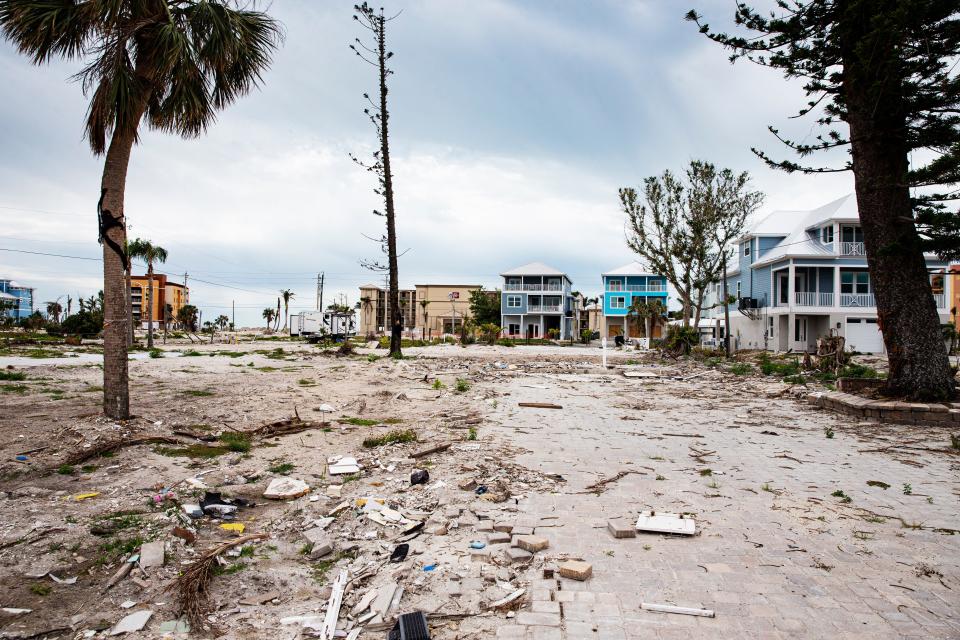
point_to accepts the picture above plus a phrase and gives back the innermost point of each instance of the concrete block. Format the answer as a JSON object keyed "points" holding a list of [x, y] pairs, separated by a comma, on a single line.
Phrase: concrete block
{"points": [[498, 538], [503, 527], [517, 555], [532, 543], [621, 529], [576, 570]]}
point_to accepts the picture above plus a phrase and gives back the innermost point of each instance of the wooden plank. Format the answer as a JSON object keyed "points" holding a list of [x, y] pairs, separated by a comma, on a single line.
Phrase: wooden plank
{"points": [[329, 628], [426, 452], [686, 611], [540, 405]]}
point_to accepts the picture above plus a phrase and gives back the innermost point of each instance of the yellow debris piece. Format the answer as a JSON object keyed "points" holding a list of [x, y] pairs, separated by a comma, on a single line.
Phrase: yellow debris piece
{"points": [[363, 501], [84, 496], [233, 526]]}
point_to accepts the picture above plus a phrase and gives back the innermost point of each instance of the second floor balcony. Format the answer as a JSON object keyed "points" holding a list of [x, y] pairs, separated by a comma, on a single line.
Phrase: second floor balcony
{"points": [[544, 308], [532, 286], [852, 249]]}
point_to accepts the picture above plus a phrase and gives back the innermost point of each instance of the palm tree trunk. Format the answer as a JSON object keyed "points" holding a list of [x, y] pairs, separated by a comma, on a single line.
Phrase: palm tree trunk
{"points": [[130, 302], [150, 305], [116, 329]]}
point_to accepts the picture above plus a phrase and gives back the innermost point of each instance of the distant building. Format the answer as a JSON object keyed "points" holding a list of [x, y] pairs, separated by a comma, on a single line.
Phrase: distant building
{"points": [[537, 302], [17, 299], [375, 310], [164, 292], [621, 287], [441, 308]]}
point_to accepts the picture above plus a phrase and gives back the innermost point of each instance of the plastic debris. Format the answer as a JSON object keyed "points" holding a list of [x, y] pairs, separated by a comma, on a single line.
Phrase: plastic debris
{"points": [[399, 553], [80, 497], [420, 476]]}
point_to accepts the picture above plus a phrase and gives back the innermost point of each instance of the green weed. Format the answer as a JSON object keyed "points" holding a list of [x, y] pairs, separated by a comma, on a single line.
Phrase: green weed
{"points": [[393, 437]]}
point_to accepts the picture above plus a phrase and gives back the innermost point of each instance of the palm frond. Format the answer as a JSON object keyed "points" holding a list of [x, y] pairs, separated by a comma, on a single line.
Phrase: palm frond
{"points": [[44, 29]]}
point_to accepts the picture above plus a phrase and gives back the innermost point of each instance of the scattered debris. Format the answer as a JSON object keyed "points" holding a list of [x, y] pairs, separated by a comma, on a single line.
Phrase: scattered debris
{"points": [[653, 522], [426, 452], [131, 623], [539, 405], [286, 489]]}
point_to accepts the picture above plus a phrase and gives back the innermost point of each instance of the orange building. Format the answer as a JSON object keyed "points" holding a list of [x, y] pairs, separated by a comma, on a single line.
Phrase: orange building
{"points": [[165, 293], [954, 292]]}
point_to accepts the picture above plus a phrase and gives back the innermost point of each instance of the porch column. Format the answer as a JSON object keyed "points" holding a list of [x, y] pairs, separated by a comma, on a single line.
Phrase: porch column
{"points": [[522, 328], [791, 284], [836, 286]]}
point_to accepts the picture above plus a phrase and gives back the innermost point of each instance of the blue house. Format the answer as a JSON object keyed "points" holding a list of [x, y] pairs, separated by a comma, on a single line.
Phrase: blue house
{"points": [[800, 275], [16, 301], [536, 302], [621, 287]]}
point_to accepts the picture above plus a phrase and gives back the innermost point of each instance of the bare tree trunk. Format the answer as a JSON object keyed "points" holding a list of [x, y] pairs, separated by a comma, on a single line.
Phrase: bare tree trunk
{"points": [[150, 305], [396, 317], [907, 313], [116, 392]]}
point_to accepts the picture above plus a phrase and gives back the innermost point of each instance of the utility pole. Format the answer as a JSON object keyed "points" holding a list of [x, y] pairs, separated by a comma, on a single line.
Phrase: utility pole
{"points": [[233, 314], [320, 278]]}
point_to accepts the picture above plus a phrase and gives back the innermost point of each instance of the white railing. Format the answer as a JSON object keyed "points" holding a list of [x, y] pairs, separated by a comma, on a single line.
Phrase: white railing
{"points": [[543, 308], [941, 300], [645, 287], [852, 249], [532, 287], [857, 300], [812, 299]]}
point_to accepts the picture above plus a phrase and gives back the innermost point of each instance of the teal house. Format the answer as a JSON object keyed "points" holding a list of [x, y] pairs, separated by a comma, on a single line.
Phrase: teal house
{"points": [[620, 287]]}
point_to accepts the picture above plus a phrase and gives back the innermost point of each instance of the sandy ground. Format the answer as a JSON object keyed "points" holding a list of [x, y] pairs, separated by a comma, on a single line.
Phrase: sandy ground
{"points": [[776, 553]]}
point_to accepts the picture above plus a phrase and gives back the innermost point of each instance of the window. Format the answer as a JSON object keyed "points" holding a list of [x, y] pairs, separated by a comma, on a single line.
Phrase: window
{"points": [[513, 301], [769, 326], [854, 282], [618, 302], [513, 329], [738, 289], [936, 283], [513, 283], [746, 248], [851, 234], [826, 235], [615, 285]]}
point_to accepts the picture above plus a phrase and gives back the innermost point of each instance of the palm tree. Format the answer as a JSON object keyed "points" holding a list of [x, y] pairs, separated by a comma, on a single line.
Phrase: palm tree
{"points": [[170, 63], [423, 305], [287, 296], [53, 310], [658, 312], [222, 321], [149, 253], [640, 311], [268, 315], [69, 305]]}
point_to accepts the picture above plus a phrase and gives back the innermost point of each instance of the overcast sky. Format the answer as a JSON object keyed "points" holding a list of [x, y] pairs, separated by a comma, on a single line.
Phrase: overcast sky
{"points": [[513, 125]]}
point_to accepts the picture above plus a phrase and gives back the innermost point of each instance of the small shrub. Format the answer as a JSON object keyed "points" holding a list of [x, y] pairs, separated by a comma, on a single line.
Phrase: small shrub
{"points": [[706, 472], [955, 441], [360, 422], [827, 431], [40, 589], [372, 357], [472, 433], [13, 376], [282, 468], [306, 382], [65, 470], [740, 369], [198, 393], [907, 489], [235, 441], [844, 498], [156, 353], [438, 384], [462, 385], [877, 483], [393, 437]]}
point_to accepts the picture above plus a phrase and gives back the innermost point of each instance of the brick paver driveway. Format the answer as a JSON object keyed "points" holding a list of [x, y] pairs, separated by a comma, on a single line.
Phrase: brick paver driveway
{"points": [[777, 554]]}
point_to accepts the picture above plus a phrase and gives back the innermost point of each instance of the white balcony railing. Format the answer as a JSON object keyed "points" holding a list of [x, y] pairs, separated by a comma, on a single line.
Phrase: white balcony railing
{"points": [[543, 308], [813, 299], [532, 287], [941, 300], [857, 300], [852, 249], [645, 287]]}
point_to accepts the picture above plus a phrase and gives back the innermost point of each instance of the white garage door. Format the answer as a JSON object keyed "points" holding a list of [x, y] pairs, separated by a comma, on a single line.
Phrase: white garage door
{"points": [[863, 335]]}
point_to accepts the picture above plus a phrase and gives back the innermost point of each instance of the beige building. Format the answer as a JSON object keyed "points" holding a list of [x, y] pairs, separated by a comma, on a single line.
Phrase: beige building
{"points": [[441, 308], [428, 310]]}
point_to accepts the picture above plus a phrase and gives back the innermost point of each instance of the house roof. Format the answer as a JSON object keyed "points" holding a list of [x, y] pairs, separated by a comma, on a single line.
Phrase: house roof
{"points": [[798, 242], [534, 269], [630, 269], [7, 296]]}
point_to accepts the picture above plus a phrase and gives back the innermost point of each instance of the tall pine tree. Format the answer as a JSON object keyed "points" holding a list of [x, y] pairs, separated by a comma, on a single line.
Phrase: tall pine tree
{"points": [[887, 70]]}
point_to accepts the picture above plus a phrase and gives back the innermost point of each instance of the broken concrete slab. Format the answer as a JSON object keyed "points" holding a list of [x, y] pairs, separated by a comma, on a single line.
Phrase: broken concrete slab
{"points": [[654, 522], [498, 538], [515, 555], [342, 465], [286, 489], [131, 623], [576, 570]]}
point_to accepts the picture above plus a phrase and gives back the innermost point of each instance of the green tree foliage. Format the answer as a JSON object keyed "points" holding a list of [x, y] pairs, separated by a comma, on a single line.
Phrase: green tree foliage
{"points": [[485, 306]]}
